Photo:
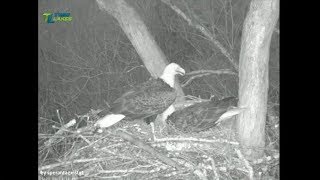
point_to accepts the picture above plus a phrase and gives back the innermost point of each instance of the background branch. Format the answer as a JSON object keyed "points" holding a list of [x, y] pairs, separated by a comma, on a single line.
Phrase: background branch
{"points": [[205, 32], [201, 73]]}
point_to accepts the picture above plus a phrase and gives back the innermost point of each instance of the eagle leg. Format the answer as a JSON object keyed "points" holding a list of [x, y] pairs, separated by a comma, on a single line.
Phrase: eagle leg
{"points": [[152, 130], [163, 119], [165, 115], [150, 120]]}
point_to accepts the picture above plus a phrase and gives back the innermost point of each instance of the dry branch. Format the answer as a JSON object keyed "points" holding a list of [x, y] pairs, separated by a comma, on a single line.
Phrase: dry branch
{"points": [[197, 140], [214, 169], [246, 163], [205, 32], [201, 73], [60, 132], [210, 36]]}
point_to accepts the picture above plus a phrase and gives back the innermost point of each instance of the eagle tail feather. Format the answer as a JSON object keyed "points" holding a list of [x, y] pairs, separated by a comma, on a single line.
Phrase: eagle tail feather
{"points": [[230, 113], [109, 120]]}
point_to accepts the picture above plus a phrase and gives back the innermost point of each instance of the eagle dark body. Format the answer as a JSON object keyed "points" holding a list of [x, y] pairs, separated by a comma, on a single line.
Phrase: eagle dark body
{"points": [[145, 100], [200, 116]]}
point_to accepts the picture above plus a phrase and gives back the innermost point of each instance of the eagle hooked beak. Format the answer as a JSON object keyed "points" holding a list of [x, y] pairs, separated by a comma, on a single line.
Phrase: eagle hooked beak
{"points": [[181, 71]]}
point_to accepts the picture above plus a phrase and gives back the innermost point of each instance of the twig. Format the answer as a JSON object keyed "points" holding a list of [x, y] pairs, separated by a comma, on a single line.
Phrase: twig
{"points": [[134, 68], [60, 132], [85, 139], [214, 169], [220, 71], [246, 163], [199, 171], [59, 117], [192, 139], [204, 31], [210, 36], [200, 174], [124, 171], [148, 148], [73, 132]]}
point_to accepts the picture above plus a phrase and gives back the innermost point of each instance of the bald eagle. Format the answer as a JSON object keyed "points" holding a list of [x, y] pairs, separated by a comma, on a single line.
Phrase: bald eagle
{"points": [[145, 100], [205, 115]]}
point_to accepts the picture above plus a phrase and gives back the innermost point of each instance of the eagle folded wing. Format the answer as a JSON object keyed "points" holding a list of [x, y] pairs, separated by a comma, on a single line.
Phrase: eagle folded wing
{"points": [[200, 116], [146, 100]]}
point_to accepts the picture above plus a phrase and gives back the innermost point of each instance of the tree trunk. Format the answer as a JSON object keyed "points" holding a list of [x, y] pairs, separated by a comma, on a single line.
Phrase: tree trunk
{"points": [[148, 50], [253, 75]]}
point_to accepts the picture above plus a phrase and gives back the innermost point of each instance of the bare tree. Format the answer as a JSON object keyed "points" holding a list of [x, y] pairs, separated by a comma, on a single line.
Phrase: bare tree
{"points": [[253, 74], [137, 32]]}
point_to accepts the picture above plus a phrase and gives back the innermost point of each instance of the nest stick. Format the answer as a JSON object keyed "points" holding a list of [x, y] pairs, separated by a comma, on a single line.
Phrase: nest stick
{"points": [[148, 148]]}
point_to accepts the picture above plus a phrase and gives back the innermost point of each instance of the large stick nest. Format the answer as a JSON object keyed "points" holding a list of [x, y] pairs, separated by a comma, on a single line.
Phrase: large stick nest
{"points": [[128, 151]]}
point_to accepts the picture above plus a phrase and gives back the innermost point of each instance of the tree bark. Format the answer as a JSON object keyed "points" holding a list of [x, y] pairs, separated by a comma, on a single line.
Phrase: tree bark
{"points": [[137, 32], [253, 75]]}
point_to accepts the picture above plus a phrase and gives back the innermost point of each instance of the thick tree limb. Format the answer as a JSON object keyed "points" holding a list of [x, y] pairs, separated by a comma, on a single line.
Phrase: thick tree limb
{"points": [[137, 32]]}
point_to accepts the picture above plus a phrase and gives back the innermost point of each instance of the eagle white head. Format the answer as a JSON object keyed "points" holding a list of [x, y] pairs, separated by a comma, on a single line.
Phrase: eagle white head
{"points": [[169, 73]]}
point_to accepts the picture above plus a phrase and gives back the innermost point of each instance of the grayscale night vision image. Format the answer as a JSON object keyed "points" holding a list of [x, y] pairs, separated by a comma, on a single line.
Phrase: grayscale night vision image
{"points": [[158, 89]]}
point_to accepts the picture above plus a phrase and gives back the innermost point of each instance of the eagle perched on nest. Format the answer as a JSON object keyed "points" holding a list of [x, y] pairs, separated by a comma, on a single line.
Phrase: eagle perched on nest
{"points": [[145, 100], [205, 115]]}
